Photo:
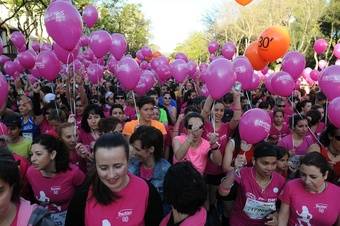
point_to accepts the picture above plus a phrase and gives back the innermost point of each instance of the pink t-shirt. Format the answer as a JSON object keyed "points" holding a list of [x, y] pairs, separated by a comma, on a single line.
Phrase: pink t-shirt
{"points": [[47, 128], [86, 138], [287, 142], [130, 112], [276, 134], [128, 210], [55, 192], [197, 156], [314, 209], [253, 204], [223, 137], [198, 219]]}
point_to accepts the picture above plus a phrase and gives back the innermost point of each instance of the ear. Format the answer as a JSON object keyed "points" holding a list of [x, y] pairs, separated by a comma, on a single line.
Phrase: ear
{"points": [[253, 161], [326, 175], [53, 154], [152, 149]]}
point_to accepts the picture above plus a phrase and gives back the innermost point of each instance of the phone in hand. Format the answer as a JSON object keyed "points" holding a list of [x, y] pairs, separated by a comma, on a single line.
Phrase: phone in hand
{"points": [[237, 86]]}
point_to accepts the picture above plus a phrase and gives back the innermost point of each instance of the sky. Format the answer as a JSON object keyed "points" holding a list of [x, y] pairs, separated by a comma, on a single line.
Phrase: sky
{"points": [[172, 21]]}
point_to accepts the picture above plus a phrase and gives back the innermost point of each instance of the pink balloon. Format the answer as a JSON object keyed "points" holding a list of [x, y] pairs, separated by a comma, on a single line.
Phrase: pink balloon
{"points": [[4, 59], [330, 81], [163, 72], [144, 65], [255, 81], [32, 79], [64, 24], [179, 70], [18, 66], [221, 77], [146, 51], [128, 72], [204, 90], [10, 68], [334, 112], [27, 59], [18, 40], [100, 43], [213, 47], [65, 56], [192, 68], [48, 65], [84, 41], [35, 46], [229, 50], [181, 56], [155, 63], [314, 75], [297, 84], [95, 73], [283, 84], [320, 46], [265, 70], [336, 50], [294, 63], [254, 125], [268, 83], [306, 72], [322, 64], [3, 91], [45, 46], [88, 54], [119, 45], [244, 71], [145, 83], [90, 15], [337, 62], [112, 65], [139, 55], [35, 72]]}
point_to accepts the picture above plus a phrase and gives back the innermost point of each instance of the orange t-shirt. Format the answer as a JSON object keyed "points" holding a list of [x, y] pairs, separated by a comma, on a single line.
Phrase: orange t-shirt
{"points": [[130, 127]]}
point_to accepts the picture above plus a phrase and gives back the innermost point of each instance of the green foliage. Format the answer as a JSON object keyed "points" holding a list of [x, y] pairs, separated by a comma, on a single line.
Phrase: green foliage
{"points": [[195, 47]]}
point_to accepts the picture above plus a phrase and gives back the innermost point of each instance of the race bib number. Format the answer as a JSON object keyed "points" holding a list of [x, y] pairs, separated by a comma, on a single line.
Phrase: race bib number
{"points": [[28, 136], [257, 209], [59, 218]]}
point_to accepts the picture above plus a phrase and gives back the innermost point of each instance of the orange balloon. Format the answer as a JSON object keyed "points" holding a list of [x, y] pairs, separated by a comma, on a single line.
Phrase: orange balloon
{"points": [[253, 56], [243, 2], [273, 43]]}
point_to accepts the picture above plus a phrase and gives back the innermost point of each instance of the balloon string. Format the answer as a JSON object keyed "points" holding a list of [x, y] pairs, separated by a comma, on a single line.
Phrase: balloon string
{"points": [[326, 115], [55, 102], [134, 102], [213, 117], [251, 107]]}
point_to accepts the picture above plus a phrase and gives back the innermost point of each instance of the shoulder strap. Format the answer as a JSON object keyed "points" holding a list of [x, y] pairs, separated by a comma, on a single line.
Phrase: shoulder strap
{"points": [[40, 217], [25, 212]]}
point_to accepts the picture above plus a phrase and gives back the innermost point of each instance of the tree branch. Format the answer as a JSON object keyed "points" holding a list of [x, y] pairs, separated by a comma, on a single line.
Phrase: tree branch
{"points": [[14, 13]]}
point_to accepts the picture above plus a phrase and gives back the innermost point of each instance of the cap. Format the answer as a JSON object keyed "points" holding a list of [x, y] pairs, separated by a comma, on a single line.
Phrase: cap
{"points": [[49, 97], [12, 120], [108, 94]]}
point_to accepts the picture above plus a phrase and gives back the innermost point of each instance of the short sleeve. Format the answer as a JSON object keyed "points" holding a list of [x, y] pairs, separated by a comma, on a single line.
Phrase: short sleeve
{"points": [[161, 127], [78, 176], [128, 129], [286, 193]]}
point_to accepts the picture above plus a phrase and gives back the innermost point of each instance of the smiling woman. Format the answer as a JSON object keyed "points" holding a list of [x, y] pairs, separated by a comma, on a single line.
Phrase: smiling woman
{"points": [[110, 194]]}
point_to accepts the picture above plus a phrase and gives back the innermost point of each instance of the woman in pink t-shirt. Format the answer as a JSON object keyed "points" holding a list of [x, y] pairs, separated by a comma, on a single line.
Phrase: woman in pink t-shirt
{"points": [[52, 178], [279, 128], [193, 147], [258, 189], [186, 192], [310, 200], [14, 210], [112, 196]]}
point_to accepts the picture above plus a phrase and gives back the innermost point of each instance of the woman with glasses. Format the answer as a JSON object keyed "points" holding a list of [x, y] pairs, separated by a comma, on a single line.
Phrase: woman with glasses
{"points": [[192, 147], [330, 148], [171, 109], [310, 200]]}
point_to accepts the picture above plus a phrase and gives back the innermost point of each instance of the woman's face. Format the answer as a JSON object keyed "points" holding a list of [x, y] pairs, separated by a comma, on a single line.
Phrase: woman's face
{"points": [[5, 197], [278, 118], [219, 111], [189, 86], [307, 107], [118, 113], [41, 158], [301, 127], [79, 108], [120, 100], [335, 141], [110, 100], [282, 164], [156, 114], [142, 154], [167, 99], [69, 137], [312, 178], [112, 167], [146, 112], [25, 106], [322, 112], [265, 166], [93, 121], [195, 127], [13, 132]]}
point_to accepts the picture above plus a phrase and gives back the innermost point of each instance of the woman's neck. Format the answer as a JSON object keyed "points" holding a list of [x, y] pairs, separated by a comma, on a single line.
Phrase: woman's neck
{"points": [[124, 184], [278, 126], [262, 180], [296, 136], [144, 122], [150, 162], [15, 140], [177, 216], [7, 217], [50, 170], [218, 123], [333, 151]]}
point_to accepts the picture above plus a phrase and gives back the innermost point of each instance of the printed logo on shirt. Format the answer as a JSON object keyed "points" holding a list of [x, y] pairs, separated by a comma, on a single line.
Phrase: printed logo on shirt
{"points": [[275, 190], [321, 207], [106, 222], [125, 214], [304, 217], [55, 189]]}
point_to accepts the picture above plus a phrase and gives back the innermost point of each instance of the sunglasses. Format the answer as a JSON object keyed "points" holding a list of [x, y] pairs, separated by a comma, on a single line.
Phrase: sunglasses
{"points": [[281, 106], [191, 127], [167, 98], [119, 98]]}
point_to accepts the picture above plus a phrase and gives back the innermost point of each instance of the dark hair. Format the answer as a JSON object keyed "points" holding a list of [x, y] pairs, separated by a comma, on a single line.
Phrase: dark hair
{"points": [[101, 192], [281, 152], [145, 100], [316, 107], [90, 109], [191, 108], [264, 105], [184, 188], [317, 160], [51, 143], [302, 104], [152, 92], [264, 149], [192, 115], [9, 173], [321, 96], [329, 132], [116, 106], [108, 125], [276, 110], [63, 126], [313, 116], [294, 119], [57, 114], [149, 137]]}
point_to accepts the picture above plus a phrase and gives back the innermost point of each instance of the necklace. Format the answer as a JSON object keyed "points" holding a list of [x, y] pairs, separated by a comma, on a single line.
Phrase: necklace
{"points": [[263, 186]]}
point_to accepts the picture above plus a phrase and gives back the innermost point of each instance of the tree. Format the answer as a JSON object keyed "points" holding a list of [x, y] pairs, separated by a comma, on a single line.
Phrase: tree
{"points": [[195, 47]]}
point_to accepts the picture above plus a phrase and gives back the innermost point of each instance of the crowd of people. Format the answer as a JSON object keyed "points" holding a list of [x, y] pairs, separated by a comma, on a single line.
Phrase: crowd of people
{"points": [[73, 153]]}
